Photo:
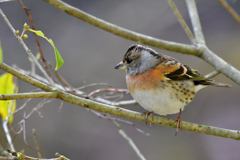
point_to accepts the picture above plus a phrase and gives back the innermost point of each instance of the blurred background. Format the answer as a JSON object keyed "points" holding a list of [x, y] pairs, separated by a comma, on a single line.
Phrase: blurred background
{"points": [[90, 55]]}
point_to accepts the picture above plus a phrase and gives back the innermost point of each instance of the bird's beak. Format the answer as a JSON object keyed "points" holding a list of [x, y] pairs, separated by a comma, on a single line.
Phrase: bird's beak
{"points": [[121, 65]]}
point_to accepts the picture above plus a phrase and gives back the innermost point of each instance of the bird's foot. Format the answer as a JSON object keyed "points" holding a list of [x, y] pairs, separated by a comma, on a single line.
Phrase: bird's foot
{"points": [[146, 116], [179, 122]]}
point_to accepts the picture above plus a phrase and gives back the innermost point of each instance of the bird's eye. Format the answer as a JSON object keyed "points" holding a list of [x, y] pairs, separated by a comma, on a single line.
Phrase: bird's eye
{"points": [[129, 61]]}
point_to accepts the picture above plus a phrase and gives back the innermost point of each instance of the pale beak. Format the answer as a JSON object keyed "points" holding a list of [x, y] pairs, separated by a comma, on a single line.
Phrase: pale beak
{"points": [[121, 65]]}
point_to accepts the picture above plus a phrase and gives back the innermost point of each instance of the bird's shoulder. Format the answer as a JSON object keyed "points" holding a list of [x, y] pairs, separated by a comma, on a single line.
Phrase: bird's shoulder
{"points": [[172, 69]]}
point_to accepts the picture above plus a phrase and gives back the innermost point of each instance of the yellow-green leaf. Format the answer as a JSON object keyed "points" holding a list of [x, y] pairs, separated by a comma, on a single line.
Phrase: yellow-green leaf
{"points": [[7, 87], [58, 57], [1, 59]]}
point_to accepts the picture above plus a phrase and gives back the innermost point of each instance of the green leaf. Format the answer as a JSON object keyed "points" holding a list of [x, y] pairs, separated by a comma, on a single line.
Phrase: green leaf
{"points": [[1, 57], [59, 59], [7, 87], [58, 56], [39, 33]]}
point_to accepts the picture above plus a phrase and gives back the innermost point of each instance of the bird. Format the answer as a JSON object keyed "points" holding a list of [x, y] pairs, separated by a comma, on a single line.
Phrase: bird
{"points": [[159, 83]]}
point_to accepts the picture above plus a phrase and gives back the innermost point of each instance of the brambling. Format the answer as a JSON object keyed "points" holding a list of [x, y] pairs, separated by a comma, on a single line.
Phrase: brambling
{"points": [[160, 83]]}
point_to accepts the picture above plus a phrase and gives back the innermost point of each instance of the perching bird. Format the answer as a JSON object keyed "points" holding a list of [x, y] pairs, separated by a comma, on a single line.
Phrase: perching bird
{"points": [[160, 83]]}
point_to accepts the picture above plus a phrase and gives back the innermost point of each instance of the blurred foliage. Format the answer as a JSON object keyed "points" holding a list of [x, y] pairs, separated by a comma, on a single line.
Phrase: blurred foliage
{"points": [[7, 86]]}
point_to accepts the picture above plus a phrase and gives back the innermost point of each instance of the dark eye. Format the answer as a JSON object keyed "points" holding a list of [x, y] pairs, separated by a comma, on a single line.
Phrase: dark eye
{"points": [[129, 61]]}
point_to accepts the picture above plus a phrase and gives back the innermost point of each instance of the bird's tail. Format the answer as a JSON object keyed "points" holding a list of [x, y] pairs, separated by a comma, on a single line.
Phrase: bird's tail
{"points": [[211, 82]]}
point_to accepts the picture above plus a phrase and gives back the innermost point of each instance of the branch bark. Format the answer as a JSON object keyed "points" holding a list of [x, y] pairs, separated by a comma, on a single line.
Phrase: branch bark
{"points": [[67, 97], [193, 13], [28, 95]]}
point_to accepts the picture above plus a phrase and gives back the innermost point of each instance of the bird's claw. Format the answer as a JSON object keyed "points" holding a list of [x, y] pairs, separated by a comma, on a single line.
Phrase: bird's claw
{"points": [[179, 123], [146, 116]]}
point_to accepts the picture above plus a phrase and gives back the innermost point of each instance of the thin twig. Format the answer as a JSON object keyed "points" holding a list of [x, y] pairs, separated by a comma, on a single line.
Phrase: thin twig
{"points": [[86, 103], [7, 133], [5, 127], [212, 74], [128, 139], [103, 115], [182, 22], [28, 12], [233, 13], [64, 81], [122, 132], [20, 40], [123, 91], [55, 79], [21, 155], [193, 13], [92, 85], [22, 122], [36, 143], [60, 108]]}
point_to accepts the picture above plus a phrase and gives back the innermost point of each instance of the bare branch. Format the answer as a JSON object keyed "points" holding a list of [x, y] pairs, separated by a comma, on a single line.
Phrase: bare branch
{"points": [[181, 21], [67, 97], [64, 81], [125, 33], [7, 133], [5, 127], [21, 155], [36, 143], [103, 115], [193, 13], [121, 131], [28, 95], [220, 65], [233, 13], [128, 139], [212, 74]]}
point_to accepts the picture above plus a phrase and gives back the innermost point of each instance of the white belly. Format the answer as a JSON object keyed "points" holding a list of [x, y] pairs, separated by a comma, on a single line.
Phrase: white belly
{"points": [[163, 102]]}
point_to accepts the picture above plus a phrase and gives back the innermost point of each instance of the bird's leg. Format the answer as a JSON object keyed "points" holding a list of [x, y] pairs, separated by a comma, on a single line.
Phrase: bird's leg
{"points": [[179, 122], [148, 114]]}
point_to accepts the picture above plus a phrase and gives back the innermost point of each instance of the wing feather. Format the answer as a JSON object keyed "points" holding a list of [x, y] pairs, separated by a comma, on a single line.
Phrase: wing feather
{"points": [[184, 72]]}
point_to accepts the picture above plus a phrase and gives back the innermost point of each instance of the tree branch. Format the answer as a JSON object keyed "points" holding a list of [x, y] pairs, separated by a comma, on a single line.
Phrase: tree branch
{"points": [[233, 13], [67, 97], [54, 95], [193, 13], [220, 65], [212, 74], [128, 139], [122, 32], [28, 95], [182, 22], [199, 50]]}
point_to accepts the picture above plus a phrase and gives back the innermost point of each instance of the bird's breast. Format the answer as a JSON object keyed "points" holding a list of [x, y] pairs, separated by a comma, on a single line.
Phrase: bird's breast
{"points": [[162, 96], [145, 81]]}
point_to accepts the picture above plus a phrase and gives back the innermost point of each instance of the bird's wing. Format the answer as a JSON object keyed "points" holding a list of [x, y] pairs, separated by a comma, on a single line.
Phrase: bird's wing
{"points": [[174, 70]]}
